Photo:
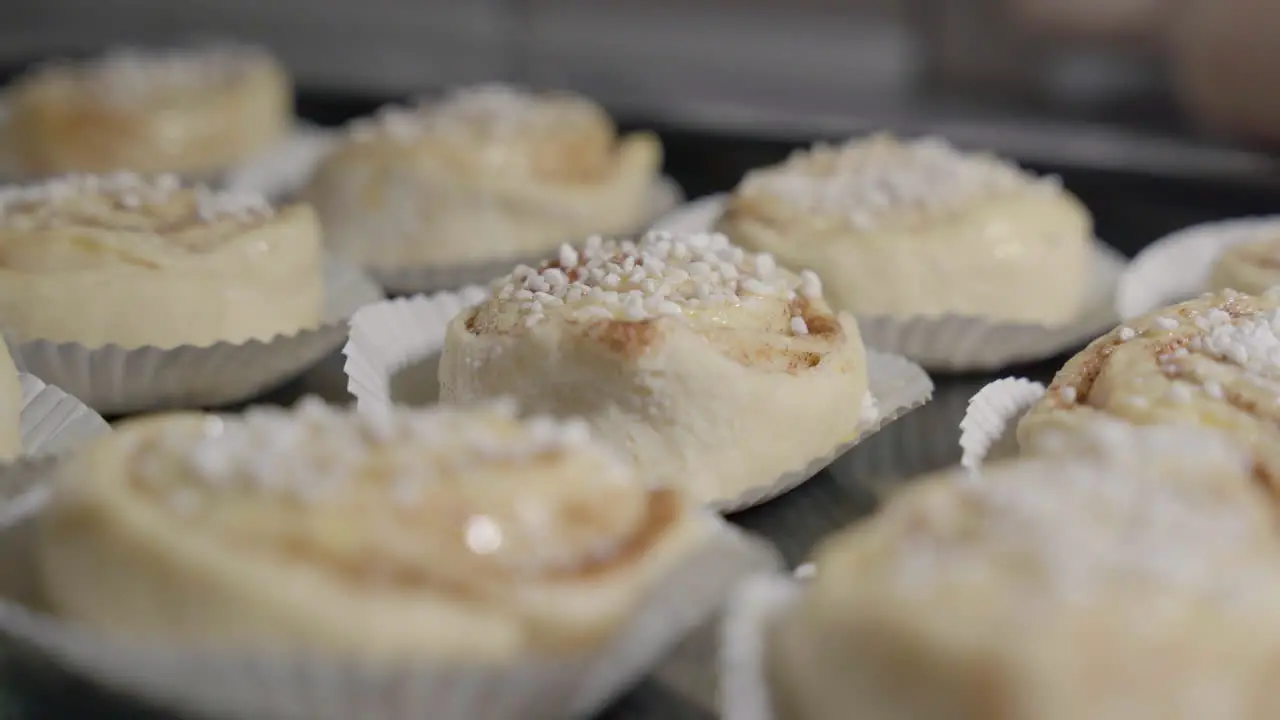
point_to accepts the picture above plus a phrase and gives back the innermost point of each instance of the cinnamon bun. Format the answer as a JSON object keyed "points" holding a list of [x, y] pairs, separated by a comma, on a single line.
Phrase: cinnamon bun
{"points": [[708, 366], [907, 228], [1252, 267], [489, 173], [117, 259], [1139, 581], [196, 112], [10, 407], [454, 534], [1213, 361]]}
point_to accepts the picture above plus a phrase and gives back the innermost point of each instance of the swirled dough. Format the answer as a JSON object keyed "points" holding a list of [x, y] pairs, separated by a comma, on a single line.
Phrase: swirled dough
{"points": [[710, 367], [489, 173], [1136, 578], [1252, 267], [10, 407], [195, 112], [917, 227], [1213, 361], [460, 534], [120, 260]]}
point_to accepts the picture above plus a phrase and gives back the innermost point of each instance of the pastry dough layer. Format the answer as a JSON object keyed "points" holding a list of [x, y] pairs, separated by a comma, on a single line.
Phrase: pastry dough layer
{"points": [[459, 534], [487, 173], [10, 407], [917, 227], [1103, 584], [1213, 361], [710, 367], [115, 259], [1251, 268], [195, 112]]}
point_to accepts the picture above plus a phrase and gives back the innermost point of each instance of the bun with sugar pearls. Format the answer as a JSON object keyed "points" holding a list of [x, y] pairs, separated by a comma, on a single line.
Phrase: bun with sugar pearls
{"points": [[1138, 579], [195, 111], [919, 228], [456, 534], [1211, 362], [119, 259], [488, 173], [710, 367]]}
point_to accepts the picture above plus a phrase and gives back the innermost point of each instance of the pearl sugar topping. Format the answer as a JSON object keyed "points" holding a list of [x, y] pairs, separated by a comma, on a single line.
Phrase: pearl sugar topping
{"points": [[309, 452], [134, 192], [661, 274], [501, 108], [866, 181]]}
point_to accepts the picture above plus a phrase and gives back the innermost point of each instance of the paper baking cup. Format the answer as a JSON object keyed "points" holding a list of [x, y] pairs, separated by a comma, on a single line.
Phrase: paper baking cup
{"points": [[294, 685], [959, 343], [1178, 266], [281, 171], [52, 421], [987, 430], [744, 683], [115, 380], [665, 195], [407, 334]]}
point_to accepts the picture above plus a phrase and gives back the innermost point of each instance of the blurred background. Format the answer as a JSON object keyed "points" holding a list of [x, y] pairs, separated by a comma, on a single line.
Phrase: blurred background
{"points": [[1095, 82]]}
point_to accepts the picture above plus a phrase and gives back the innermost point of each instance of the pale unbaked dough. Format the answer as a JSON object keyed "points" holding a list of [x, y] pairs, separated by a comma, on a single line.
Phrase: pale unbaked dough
{"points": [[906, 228], [119, 260], [1252, 267], [10, 406], [489, 173], [195, 112], [461, 535], [710, 367], [1138, 579], [1213, 361]]}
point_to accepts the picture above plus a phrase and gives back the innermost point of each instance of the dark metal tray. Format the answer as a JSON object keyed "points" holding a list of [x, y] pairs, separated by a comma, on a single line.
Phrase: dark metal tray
{"points": [[1132, 207]]}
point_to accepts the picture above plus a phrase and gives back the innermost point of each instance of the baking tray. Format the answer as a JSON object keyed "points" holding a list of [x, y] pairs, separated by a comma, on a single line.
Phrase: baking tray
{"points": [[1133, 204]]}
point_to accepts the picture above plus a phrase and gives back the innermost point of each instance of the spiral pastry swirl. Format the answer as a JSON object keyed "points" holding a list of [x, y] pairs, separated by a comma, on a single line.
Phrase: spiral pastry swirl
{"points": [[917, 227], [1149, 581], [1213, 361], [132, 261], [486, 173], [196, 112], [684, 352], [455, 532]]}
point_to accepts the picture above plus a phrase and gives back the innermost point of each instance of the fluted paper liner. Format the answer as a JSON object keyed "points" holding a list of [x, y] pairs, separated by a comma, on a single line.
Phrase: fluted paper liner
{"points": [[744, 685], [665, 195], [51, 423], [1178, 266], [987, 430], [296, 685], [281, 171], [959, 343], [116, 380], [391, 336]]}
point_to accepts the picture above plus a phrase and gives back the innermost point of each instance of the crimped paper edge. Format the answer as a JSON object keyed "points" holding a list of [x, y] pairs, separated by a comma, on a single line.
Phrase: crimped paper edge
{"points": [[586, 683], [53, 421], [744, 687], [993, 414], [665, 195], [287, 167], [1177, 267], [353, 290], [376, 352], [918, 337]]}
